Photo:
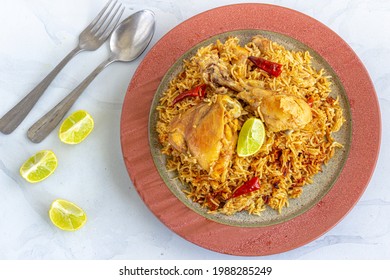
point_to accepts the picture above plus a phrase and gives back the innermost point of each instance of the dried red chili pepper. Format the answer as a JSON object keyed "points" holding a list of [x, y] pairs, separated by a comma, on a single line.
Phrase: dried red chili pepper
{"points": [[270, 67], [249, 186], [196, 91]]}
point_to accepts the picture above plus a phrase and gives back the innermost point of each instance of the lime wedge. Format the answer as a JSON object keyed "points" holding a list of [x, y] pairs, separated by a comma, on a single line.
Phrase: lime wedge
{"points": [[67, 215], [251, 137], [39, 166], [76, 127]]}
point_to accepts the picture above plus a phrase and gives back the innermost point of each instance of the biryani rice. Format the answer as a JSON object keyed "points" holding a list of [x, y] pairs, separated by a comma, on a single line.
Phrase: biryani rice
{"points": [[287, 161]]}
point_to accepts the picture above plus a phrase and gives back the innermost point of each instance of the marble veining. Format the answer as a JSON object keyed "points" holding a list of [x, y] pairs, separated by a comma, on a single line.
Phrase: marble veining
{"points": [[36, 34]]}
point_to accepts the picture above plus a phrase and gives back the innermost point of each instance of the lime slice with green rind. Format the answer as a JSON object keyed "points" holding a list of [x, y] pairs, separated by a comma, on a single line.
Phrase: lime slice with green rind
{"points": [[251, 137]]}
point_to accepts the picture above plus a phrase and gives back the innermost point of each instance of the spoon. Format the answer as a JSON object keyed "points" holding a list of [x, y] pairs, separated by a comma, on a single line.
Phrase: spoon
{"points": [[128, 41]]}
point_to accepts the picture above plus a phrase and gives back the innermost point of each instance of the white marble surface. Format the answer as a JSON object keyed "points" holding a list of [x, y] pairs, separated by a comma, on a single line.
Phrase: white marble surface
{"points": [[36, 34]]}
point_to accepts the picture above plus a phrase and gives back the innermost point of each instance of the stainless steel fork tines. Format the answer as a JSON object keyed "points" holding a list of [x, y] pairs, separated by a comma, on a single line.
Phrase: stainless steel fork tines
{"points": [[97, 32], [90, 39]]}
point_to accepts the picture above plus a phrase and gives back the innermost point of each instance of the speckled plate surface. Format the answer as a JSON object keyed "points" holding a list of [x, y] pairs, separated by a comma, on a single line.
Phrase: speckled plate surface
{"points": [[323, 206]]}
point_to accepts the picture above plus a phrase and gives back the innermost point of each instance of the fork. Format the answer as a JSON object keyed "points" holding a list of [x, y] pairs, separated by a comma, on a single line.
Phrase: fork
{"points": [[90, 39]]}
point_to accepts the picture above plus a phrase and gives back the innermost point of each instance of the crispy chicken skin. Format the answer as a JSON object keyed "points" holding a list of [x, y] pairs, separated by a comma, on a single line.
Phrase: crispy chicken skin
{"points": [[280, 111], [208, 133]]}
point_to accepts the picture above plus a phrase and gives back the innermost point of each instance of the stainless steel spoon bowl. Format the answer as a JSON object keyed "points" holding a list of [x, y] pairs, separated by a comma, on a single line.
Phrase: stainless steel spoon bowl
{"points": [[127, 42], [132, 36]]}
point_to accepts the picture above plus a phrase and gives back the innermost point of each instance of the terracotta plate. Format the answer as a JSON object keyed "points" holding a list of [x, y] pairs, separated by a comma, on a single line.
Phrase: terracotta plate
{"points": [[312, 194], [321, 211]]}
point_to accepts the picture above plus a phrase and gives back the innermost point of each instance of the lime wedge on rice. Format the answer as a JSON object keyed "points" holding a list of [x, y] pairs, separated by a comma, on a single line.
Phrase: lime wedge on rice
{"points": [[76, 127], [39, 166], [67, 215], [251, 137]]}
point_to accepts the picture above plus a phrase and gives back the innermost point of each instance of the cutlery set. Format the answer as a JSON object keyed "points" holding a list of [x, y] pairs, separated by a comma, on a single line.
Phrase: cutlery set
{"points": [[128, 40]]}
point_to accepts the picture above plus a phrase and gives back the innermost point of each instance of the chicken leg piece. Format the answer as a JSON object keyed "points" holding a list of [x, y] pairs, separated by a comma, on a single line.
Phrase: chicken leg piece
{"points": [[280, 111]]}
